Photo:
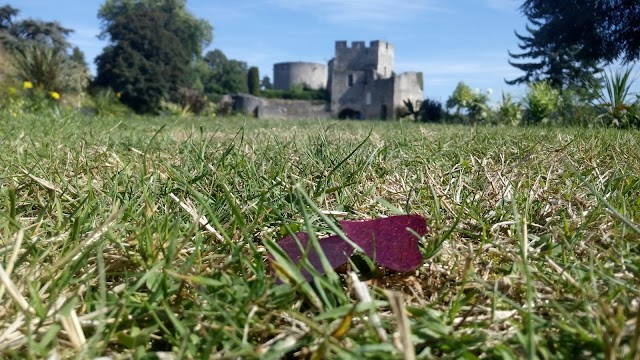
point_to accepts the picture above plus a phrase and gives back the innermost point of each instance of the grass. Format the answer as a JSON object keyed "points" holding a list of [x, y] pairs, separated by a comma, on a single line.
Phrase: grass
{"points": [[532, 251]]}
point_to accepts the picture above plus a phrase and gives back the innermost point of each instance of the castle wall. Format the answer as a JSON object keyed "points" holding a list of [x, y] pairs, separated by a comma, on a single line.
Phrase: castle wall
{"points": [[312, 75], [279, 108], [377, 56], [293, 109], [408, 86]]}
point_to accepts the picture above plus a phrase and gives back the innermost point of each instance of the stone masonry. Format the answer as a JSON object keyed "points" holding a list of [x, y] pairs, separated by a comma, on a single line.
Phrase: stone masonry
{"points": [[360, 79]]}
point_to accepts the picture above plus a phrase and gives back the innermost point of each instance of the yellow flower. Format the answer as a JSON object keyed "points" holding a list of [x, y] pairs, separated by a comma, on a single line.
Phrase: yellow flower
{"points": [[27, 85], [12, 90], [118, 95], [55, 95]]}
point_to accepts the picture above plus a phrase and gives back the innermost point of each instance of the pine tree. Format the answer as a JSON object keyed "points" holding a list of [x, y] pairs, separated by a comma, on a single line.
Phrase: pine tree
{"points": [[559, 65]]}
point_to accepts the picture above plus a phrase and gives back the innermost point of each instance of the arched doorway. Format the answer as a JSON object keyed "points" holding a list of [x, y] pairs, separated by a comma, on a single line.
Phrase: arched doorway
{"points": [[349, 114]]}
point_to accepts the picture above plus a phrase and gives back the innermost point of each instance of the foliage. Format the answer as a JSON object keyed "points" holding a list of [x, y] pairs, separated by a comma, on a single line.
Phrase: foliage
{"points": [[595, 30], [509, 112], [193, 101], [409, 109], [470, 105], [556, 65], [145, 62], [7, 67], [431, 111], [615, 98], [542, 103], [38, 52], [106, 102], [222, 75], [194, 34], [265, 83], [15, 34], [16, 101], [296, 93], [253, 81], [49, 68]]}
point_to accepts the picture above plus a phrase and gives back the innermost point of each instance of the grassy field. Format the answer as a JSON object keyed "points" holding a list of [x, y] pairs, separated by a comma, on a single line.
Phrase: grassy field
{"points": [[533, 247]]}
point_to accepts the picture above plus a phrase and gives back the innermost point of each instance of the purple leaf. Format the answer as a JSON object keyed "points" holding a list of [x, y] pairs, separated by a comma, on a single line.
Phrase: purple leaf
{"points": [[387, 241], [335, 249]]}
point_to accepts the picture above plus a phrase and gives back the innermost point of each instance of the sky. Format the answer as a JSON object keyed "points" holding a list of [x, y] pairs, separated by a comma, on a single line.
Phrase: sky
{"points": [[449, 41]]}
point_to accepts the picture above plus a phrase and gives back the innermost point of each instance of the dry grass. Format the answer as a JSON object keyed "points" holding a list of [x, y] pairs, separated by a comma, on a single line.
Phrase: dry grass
{"points": [[125, 237]]}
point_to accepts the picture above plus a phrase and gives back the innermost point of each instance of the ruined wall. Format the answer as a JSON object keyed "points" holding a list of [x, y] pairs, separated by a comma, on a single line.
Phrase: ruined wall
{"points": [[408, 86], [293, 109], [279, 108], [288, 74]]}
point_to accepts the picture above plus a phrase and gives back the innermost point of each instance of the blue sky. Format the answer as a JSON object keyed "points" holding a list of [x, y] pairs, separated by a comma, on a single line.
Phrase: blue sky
{"points": [[449, 41]]}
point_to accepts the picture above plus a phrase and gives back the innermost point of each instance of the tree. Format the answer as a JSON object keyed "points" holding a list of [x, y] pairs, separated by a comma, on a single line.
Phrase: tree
{"points": [[14, 34], [594, 30], [559, 66], [253, 81], [145, 62], [224, 76], [265, 83], [194, 34]]}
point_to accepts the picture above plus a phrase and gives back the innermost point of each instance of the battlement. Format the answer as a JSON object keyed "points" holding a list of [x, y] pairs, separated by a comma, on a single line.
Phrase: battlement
{"points": [[376, 44]]}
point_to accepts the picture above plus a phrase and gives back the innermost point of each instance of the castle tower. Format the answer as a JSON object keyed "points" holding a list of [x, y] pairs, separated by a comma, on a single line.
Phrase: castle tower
{"points": [[378, 56], [362, 80]]}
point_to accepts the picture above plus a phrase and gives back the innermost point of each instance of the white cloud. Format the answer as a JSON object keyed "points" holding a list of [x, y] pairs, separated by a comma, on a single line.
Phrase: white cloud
{"points": [[361, 10]]}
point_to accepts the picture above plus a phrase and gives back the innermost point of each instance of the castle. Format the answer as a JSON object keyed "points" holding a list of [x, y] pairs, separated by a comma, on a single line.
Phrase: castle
{"points": [[360, 80]]}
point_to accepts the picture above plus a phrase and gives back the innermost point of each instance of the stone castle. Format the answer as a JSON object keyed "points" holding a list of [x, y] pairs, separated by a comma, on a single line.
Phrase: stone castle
{"points": [[360, 80]]}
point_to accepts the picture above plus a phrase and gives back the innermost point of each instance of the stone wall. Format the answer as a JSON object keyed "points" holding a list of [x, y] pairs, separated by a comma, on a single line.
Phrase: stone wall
{"points": [[279, 108], [312, 75], [378, 56], [408, 86], [293, 109]]}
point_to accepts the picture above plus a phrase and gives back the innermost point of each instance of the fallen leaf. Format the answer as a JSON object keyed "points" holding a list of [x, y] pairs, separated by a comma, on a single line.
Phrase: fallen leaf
{"points": [[387, 241]]}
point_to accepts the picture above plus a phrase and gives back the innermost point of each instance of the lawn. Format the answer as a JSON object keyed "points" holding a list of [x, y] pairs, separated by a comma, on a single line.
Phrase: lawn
{"points": [[532, 248]]}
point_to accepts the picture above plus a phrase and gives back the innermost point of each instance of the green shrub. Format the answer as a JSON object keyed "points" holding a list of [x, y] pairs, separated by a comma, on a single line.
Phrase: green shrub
{"points": [[49, 69], [542, 103], [193, 101], [614, 99], [105, 102], [431, 111], [470, 105], [297, 93], [509, 112]]}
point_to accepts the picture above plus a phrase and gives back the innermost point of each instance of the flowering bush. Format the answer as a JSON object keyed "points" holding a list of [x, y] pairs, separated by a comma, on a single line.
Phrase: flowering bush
{"points": [[16, 101]]}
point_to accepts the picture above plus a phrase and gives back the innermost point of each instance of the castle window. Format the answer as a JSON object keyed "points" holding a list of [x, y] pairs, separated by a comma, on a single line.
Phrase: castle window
{"points": [[368, 98], [350, 81]]}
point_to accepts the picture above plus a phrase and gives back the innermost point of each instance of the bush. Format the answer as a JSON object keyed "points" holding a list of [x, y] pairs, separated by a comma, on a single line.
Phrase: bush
{"points": [[509, 111], [470, 105], [105, 102], [297, 93], [191, 100], [614, 99], [542, 103], [431, 111], [49, 69]]}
